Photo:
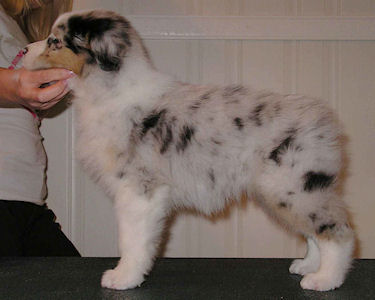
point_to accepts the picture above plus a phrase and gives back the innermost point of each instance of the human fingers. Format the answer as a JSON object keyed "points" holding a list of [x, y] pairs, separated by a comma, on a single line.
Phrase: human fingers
{"points": [[49, 75], [54, 101], [53, 92], [38, 98], [28, 84]]}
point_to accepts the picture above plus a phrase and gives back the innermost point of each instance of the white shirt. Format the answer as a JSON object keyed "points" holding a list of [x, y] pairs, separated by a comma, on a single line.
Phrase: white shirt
{"points": [[22, 156]]}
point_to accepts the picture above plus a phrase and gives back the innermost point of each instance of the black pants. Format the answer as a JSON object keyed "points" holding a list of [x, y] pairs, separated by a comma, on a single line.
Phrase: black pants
{"points": [[27, 229]]}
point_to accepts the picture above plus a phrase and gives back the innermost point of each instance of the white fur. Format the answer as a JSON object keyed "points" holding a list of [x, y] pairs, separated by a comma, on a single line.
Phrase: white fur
{"points": [[140, 226], [155, 144], [335, 262], [311, 262]]}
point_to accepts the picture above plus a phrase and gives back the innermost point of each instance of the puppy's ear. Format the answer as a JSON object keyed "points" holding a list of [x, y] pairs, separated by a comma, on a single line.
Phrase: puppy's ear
{"points": [[103, 35]]}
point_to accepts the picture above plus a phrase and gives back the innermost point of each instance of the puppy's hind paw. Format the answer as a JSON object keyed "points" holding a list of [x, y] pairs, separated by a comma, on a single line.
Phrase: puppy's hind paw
{"points": [[120, 280]]}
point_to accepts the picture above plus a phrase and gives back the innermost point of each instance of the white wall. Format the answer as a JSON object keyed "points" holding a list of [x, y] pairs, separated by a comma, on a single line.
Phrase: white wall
{"points": [[331, 57]]}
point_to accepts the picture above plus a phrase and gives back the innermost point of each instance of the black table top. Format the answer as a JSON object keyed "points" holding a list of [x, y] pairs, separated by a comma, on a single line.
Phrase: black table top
{"points": [[171, 278]]}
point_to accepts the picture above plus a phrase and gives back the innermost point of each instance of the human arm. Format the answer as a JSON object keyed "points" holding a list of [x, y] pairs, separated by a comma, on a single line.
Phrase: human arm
{"points": [[22, 87]]}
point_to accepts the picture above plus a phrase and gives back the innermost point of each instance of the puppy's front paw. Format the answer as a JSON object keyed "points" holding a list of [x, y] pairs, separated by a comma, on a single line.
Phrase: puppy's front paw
{"points": [[120, 280], [303, 267], [320, 282]]}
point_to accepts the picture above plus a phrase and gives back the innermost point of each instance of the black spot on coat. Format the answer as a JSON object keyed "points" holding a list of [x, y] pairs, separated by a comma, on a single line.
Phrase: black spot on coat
{"points": [[238, 122], [166, 140], [185, 138], [277, 109], [313, 217], [282, 148], [151, 121], [206, 96], [195, 106], [120, 174], [233, 90], [284, 204], [325, 227], [211, 175], [317, 180], [255, 114]]}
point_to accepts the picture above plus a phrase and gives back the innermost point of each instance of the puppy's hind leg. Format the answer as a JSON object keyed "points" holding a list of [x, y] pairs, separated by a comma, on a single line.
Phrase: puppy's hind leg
{"points": [[140, 224], [310, 263], [336, 244], [317, 213]]}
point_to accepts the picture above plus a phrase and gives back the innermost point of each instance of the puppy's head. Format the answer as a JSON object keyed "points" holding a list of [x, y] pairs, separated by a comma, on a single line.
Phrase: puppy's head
{"points": [[98, 38]]}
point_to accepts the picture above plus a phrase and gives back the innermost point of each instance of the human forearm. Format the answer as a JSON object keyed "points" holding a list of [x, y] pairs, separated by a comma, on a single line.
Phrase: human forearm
{"points": [[8, 88]]}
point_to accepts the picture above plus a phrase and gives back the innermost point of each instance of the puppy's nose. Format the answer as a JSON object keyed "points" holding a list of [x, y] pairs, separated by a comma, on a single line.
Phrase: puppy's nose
{"points": [[25, 50]]}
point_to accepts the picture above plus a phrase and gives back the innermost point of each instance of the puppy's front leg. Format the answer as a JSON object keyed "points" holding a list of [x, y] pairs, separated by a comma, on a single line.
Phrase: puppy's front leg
{"points": [[140, 223]]}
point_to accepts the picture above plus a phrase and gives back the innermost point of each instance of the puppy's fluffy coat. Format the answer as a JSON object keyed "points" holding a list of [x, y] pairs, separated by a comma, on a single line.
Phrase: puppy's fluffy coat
{"points": [[154, 144]]}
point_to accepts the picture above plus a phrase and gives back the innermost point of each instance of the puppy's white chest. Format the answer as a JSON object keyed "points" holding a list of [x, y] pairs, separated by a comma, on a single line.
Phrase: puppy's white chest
{"points": [[97, 145]]}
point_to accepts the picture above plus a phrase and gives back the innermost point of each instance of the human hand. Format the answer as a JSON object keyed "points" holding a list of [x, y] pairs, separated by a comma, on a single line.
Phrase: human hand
{"points": [[28, 91]]}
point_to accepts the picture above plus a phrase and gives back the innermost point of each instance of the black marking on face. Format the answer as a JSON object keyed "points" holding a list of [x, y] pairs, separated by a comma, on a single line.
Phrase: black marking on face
{"points": [[325, 227], [86, 27], [290, 193], [238, 122], [86, 33], [167, 140], [255, 114], [282, 148], [317, 180], [313, 217], [94, 27], [151, 121], [54, 43], [185, 138]]}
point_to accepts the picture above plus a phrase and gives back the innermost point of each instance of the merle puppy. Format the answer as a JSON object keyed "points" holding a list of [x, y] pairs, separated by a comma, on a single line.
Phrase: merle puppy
{"points": [[155, 144]]}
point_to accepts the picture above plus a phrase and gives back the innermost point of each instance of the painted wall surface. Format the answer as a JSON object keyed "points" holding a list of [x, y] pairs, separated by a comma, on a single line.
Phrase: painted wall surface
{"points": [[341, 71]]}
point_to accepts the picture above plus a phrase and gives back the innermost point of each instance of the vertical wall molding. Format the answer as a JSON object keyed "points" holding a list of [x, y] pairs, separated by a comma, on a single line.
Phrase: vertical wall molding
{"points": [[78, 197], [69, 168]]}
